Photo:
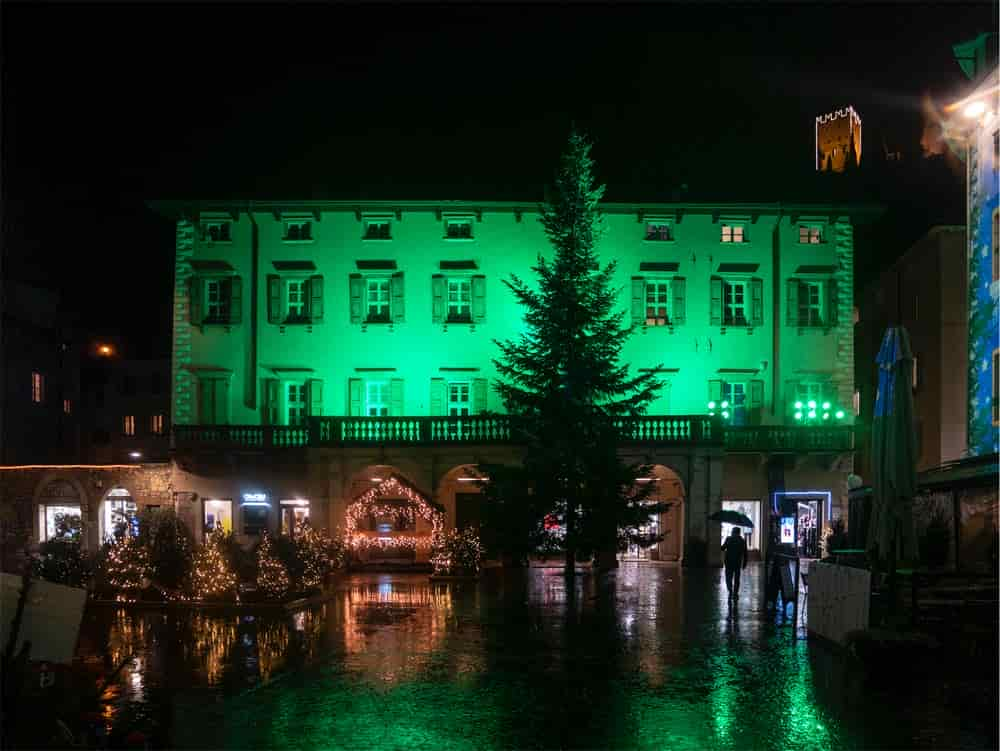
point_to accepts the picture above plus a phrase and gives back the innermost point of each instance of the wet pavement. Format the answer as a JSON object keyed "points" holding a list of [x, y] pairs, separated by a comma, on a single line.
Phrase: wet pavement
{"points": [[651, 657]]}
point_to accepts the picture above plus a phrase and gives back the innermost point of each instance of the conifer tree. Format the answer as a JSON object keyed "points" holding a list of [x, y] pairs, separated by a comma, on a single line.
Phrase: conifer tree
{"points": [[127, 565], [272, 576], [562, 379], [212, 576]]}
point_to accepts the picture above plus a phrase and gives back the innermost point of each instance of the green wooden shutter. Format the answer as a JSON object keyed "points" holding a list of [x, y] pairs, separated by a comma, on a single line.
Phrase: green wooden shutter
{"points": [[678, 292], [832, 304], [315, 386], [438, 391], [478, 396], [715, 312], [206, 401], [438, 288], [398, 307], [756, 302], [316, 299], [222, 401], [354, 397], [195, 289], [792, 302], [638, 301], [273, 298], [478, 298], [396, 397], [756, 401], [357, 290], [270, 405], [236, 300], [715, 391]]}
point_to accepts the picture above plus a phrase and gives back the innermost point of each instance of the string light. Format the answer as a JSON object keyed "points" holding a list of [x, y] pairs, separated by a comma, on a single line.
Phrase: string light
{"points": [[272, 576], [211, 575], [127, 565], [369, 503], [458, 552]]}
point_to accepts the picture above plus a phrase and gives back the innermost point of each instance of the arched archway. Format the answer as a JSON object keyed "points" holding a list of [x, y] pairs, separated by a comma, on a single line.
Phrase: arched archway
{"points": [[668, 487], [461, 496], [61, 506]]}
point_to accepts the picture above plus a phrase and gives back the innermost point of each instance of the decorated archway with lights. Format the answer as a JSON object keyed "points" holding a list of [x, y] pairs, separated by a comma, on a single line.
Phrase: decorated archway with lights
{"points": [[387, 519]]}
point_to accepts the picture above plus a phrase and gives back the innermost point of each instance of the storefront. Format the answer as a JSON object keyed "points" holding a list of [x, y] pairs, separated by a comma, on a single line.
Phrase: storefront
{"points": [[802, 514], [750, 508], [294, 511], [119, 515]]}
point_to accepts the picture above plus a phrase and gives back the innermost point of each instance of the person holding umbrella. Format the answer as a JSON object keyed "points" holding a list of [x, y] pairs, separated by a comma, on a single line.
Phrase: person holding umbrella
{"points": [[735, 551]]}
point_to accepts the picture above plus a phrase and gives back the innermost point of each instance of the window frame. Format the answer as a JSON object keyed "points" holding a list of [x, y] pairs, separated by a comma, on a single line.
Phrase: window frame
{"points": [[803, 390], [376, 221], [226, 504], [37, 387], [658, 284], [156, 423], [287, 222], [67, 406], [208, 224], [813, 232], [387, 303], [651, 237], [809, 286], [461, 282], [732, 320], [300, 405], [458, 221], [128, 425], [384, 400], [221, 304], [729, 395], [732, 227], [301, 284]]}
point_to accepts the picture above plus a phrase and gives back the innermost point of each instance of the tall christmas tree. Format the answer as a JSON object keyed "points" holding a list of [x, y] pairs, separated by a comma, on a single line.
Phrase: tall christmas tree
{"points": [[272, 576], [127, 565], [212, 576], [563, 378]]}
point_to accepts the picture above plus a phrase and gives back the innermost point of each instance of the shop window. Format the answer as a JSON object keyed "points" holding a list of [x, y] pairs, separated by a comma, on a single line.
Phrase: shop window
{"points": [[294, 512], [119, 515], [254, 519], [218, 514], [59, 521]]}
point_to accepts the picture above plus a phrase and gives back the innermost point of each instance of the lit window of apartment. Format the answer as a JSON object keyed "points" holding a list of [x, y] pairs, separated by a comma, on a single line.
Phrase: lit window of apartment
{"points": [[734, 303], [458, 229], [67, 406], [733, 233], [295, 295], [128, 424], [459, 300], [377, 398], [810, 234], [378, 229], [156, 425], [658, 303], [659, 231], [377, 300], [295, 403], [217, 231], [298, 230], [37, 387]]}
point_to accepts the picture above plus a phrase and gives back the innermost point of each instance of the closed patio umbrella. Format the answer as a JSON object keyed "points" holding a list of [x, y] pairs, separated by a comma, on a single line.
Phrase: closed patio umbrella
{"points": [[891, 533]]}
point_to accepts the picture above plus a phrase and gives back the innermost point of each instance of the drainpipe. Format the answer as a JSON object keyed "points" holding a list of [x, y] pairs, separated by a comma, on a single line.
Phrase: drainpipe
{"points": [[251, 381]]}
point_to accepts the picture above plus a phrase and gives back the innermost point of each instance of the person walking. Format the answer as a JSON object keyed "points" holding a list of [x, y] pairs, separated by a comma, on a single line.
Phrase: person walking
{"points": [[735, 551]]}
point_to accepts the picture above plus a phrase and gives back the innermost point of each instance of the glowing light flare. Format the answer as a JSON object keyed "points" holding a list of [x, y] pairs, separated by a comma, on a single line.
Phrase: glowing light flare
{"points": [[974, 109]]}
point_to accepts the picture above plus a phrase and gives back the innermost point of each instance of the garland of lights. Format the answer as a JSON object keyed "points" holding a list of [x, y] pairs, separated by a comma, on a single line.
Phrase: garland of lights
{"points": [[211, 575], [272, 576], [127, 565], [458, 552], [369, 503]]}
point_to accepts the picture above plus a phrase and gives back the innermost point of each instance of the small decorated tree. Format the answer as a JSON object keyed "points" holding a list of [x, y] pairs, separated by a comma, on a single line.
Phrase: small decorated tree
{"points": [[272, 576], [212, 576], [127, 565], [457, 553]]}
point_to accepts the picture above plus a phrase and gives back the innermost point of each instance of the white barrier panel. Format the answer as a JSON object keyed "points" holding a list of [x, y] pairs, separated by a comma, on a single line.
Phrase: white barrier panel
{"points": [[51, 619], [838, 601]]}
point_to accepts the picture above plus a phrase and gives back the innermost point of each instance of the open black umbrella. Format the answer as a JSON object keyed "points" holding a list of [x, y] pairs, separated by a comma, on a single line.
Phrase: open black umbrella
{"points": [[731, 517]]}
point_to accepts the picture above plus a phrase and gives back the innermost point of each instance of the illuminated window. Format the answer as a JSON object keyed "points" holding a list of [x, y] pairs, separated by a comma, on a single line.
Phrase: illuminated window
{"points": [[735, 394], [810, 303], [377, 229], [377, 398], [296, 297], [293, 513], [120, 515], [459, 300], [59, 521], [733, 233], [37, 387], [217, 232], [810, 234], [659, 231], [156, 425], [657, 303], [458, 229], [218, 514], [67, 406], [298, 230], [295, 403], [377, 300], [128, 425], [734, 309]]}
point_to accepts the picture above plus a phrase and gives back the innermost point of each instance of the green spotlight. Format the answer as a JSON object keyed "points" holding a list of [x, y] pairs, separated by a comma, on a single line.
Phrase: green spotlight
{"points": [[798, 415], [711, 405], [798, 405], [726, 415], [826, 405], [826, 415], [812, 404], [725, 405], [812, 414], [840, 414]]}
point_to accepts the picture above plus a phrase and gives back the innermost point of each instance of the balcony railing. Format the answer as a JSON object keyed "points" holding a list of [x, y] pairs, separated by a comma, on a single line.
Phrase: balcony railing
{"points": [[497, 429]]}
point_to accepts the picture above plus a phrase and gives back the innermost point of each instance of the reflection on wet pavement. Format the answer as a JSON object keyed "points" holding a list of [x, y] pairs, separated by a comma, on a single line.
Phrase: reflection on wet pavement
{"points": [[650, 657]]}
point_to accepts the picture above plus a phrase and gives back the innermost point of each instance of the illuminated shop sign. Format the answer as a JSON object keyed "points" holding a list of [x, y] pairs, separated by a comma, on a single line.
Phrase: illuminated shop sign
{"points": [[255, 499]]}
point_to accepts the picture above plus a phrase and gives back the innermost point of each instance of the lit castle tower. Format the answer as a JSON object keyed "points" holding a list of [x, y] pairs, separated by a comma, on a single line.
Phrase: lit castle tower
{"points": [[838, 140]]}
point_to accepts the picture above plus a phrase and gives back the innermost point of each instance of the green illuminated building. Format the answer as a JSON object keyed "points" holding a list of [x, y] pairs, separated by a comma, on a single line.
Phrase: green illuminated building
{"points": [[318, 345]]}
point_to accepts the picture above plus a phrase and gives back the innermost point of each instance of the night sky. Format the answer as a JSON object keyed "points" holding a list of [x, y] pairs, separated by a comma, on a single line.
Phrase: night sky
{"points": [[106, 107]]}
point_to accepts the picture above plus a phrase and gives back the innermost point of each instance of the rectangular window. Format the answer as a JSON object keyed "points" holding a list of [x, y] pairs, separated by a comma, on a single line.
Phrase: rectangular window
{"points": [[459, 300], [37, 387], [217, 232], [377, 229], [296, 297], [458, 406], [218, 514], [657, 303], [377, 300], [295, 403], [58, 521], [810, 303], [156, 425], [216, 308], [254, 519], [810, 234], [377, 398], [809, 392], [458, 229], [128, 424], [298, 230], [294, 512], [733, 233], [734, 394], [659, 231], [734, 309], [67, 406]]}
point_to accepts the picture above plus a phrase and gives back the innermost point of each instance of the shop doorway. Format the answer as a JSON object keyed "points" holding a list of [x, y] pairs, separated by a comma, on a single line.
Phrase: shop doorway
{"points": [[751, 508], [808, 513]]}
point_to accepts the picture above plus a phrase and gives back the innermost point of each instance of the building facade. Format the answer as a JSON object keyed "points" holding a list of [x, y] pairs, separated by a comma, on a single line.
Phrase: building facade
{"points": [[321, 348]]}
